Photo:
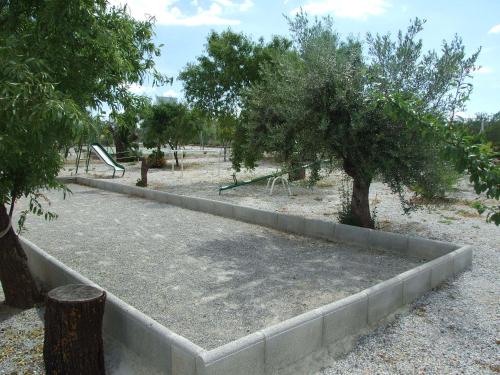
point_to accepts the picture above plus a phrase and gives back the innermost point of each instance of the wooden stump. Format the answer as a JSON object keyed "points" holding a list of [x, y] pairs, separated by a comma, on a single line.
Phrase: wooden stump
{"points": [[73, 331]]}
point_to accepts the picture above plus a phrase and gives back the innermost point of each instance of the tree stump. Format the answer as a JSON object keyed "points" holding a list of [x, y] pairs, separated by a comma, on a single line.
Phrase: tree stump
{"points": [[73, 331]]}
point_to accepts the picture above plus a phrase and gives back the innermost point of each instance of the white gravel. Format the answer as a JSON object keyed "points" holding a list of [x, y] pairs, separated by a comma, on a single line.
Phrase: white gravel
{"points": [[452, 330], [21, 340]]}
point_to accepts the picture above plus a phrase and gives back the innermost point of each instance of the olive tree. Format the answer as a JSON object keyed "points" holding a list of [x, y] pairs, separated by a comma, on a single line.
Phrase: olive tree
{"points": [[215, 82], [60, 63], [375, 114]]}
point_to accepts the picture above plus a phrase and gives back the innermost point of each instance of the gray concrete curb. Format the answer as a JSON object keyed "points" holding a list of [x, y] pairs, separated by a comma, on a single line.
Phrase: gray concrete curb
{"points": [[289, 345], [161, 350], [408, 246]]}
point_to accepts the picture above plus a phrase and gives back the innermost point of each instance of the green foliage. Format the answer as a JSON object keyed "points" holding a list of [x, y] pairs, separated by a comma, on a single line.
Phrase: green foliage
{"points": [[169, 123], [36, 123], [226, 125], [140, 183], [59, 60], [123, 127], [95, 50], [229, 65], [441, 178], [480, 161], [379, 115], [490, 124], [156, 159]]}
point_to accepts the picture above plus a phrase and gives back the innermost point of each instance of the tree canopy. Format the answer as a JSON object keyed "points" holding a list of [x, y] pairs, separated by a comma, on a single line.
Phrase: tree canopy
{"points": [[230, 63], [169, 123], [377, 114], [60, 63]]}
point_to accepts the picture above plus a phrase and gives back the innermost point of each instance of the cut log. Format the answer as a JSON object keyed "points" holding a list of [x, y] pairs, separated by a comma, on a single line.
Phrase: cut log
{"points": [[73, 331]]}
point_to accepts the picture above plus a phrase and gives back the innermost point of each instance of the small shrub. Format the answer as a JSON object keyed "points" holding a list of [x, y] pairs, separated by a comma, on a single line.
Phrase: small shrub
{"points": [[438, 182], [157, 159], [140, 183]]}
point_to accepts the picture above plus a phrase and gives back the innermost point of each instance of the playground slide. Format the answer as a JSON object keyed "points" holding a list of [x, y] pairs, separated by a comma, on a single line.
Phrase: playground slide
{"points": [[106, 158]]}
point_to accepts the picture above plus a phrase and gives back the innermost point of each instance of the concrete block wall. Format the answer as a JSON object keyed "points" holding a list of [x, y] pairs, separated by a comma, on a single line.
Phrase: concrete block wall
{"points": [[279, 348], [408, 246], [160, 350]]}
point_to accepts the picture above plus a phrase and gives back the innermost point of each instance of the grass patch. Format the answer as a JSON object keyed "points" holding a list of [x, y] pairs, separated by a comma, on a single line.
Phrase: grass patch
{"points": [[465, 213]]}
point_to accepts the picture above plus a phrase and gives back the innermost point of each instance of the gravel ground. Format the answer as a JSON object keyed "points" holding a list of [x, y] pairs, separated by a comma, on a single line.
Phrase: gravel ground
{"points": [[21, 340], [207, 278], [452, 330]]}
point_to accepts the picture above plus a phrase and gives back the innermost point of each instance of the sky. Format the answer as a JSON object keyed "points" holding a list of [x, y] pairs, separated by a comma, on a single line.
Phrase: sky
{"points": [[183, 25]]}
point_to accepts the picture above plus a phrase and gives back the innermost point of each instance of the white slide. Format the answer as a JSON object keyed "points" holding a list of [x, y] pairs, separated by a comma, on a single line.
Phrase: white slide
{"points": [[106, 158]]}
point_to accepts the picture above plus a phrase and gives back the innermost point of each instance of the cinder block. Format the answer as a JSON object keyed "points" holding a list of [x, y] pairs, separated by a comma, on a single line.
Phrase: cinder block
{"points": [[388, 241], [66, 179], [352, 234], [241, 357], [223, 209], [428, 249], [462, 259], [255, 216], [384, 299], [175, 199], [139, 191], [190, 203], [134, 190], [290, 224], [344, 318], [319, 229], [441, 269], [292, 340], [182, 359], [122, 189], [416, 282], [159, 196], [205, 205]]}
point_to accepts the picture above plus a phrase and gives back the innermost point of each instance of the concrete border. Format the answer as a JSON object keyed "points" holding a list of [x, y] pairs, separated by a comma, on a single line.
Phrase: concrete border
{"points": [[409, 246], [161, 350], [286, 346]]}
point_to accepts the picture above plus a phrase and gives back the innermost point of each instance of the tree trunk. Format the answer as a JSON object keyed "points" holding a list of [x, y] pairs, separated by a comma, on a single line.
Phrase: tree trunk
{"points": [[120, 147], [360, 203], [18, 285], [176, 159], [225, 153], [297, 173], [73, 331], [144, 171]]}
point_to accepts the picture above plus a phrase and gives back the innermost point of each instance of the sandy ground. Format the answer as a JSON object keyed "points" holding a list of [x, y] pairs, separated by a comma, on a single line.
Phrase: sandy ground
{"points": [[452, 330]]}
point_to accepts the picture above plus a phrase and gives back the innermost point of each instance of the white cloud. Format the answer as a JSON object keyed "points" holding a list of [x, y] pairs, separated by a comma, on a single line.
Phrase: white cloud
{"points": [[171, 93], [465, 115], [356, 9], [495, 29], [484, 70], [166, 12], [141, 90]]}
